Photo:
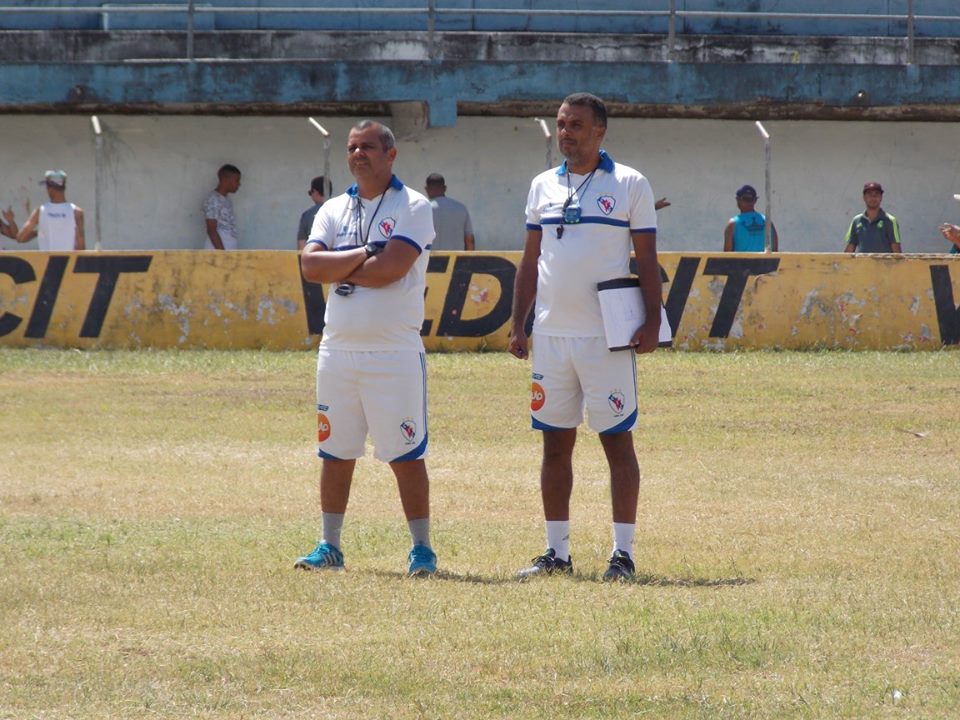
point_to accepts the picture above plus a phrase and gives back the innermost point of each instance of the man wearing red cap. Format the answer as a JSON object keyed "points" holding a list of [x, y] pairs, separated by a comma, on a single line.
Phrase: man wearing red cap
{"points": [[873, 230]]}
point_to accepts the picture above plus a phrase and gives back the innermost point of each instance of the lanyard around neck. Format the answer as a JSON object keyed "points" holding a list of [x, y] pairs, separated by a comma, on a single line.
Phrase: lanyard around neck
{"points": [[571, 192], [365, 240]]}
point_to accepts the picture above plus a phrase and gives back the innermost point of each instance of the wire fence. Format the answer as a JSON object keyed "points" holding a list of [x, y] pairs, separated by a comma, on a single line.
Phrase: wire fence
{"points": [[430, 14]]}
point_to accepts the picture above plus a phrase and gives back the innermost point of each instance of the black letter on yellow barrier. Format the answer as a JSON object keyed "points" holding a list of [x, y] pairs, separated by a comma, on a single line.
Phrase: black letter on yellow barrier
{"points": [[109, 269], [737, 271], [680, 290], [948, 314], [464, 268], [46, 296], [436, 264], [22, 272]]}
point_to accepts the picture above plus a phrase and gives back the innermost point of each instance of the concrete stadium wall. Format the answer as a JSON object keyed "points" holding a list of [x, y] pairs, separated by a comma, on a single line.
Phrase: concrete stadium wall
{"points": [[156, 171], [571, 21], [258, 300]]}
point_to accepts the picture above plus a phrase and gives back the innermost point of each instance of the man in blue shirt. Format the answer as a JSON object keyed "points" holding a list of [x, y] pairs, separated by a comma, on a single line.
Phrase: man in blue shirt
{"points": [[745, 232], [873, 230]]}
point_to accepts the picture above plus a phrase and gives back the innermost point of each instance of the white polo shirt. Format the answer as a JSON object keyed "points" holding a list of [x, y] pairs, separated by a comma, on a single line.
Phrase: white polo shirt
{"points": [[390, 317], [614, 202]]}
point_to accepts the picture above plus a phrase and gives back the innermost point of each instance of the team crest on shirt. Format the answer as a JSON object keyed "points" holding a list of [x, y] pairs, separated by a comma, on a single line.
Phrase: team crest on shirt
{"points": [[606, 203], [386, 227], [408, 430], [617, 402], [323, 427]]}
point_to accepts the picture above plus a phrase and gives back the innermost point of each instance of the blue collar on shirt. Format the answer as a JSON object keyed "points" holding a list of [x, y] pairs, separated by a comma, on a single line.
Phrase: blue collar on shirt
{"points": [[394, 183], [606, 164]]}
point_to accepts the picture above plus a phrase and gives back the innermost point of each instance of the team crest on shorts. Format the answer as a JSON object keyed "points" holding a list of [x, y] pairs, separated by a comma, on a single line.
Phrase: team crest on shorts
{"points": [[617, 402], [606, 203], [538, 396], [408, 430], [323, 427], [386, 227]]}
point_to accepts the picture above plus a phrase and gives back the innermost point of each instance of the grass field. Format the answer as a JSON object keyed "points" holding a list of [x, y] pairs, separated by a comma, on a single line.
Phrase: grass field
{"points": [[798, 546]]}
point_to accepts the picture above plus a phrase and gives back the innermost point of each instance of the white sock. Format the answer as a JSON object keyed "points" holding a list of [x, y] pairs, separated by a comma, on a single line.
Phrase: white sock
{"points": [[420, 531], [332, 523], [623, 537], [558, 537]]}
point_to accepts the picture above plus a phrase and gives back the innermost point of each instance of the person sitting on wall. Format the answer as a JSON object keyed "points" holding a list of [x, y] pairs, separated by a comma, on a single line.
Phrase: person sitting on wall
{"points": [[746, 231], [873, 230]]}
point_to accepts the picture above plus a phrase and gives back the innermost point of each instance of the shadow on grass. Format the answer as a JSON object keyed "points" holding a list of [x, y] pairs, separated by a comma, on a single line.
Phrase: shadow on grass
{"points": [[646, 579], [654, 580], [467, 578]]}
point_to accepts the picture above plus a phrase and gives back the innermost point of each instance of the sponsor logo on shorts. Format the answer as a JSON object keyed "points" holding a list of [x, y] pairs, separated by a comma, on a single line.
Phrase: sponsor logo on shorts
{"points": [[617, 402], [323, 426], [386, 227], [408, 429], [606, 203], [537, 376], [537, 396]]}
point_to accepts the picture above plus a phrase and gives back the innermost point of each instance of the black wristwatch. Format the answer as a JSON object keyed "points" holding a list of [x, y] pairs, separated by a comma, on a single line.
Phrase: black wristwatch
{"points": [[372, 249]]}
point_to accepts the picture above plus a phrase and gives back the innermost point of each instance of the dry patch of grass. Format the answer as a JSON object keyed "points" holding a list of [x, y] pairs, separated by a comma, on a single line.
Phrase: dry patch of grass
{"points": [[797, 549]]}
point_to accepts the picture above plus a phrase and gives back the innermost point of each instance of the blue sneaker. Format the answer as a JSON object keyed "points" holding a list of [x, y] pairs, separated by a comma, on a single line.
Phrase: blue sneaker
{"points": [[324, 557], [423, 561]]}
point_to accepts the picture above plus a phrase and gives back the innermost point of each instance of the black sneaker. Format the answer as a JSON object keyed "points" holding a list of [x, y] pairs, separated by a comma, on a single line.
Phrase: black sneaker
{"points": [[548, 564], [620, 568]]}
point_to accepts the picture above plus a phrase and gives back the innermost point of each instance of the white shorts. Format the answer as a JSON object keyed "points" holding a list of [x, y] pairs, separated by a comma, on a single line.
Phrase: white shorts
{"points": [[572, 373], [380, 392]]}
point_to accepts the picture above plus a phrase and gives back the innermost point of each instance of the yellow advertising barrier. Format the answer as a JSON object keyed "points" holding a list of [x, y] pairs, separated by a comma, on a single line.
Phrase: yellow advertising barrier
{"points": [[257, 299]]}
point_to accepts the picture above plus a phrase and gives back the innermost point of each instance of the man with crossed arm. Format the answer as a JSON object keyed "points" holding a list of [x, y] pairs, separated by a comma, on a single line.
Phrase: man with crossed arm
{"points": [[372, 243]]}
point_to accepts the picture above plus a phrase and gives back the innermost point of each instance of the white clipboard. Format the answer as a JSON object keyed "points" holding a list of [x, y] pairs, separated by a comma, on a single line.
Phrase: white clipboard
{"points": [[623, 311]]}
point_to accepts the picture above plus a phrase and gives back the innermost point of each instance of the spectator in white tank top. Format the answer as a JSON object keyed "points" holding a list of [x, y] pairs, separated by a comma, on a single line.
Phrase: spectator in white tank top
{"points": [[57, 224]]}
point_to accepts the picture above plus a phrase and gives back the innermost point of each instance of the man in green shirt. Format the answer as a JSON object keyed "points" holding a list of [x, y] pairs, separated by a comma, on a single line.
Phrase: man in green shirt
{"points": [[873, 230]]}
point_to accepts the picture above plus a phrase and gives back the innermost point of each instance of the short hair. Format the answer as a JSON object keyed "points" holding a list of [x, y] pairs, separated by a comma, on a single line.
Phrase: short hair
{"points": [[435, 179], [387, 139], [228, 169], [319, 184], [592, 102]]}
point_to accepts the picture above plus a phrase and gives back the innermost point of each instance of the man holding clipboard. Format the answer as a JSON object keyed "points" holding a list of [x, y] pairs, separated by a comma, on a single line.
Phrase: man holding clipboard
{"points": [[583, 219]]}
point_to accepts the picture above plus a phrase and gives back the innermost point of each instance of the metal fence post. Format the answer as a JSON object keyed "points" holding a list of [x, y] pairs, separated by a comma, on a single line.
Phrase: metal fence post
{"points": [[431, 26], [98, 170], [190, 30], [911, 58], [768, 190], [672, 29]]}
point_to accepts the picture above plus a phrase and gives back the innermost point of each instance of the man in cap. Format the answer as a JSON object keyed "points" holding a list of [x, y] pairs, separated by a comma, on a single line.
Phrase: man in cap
{"points": [[58, 224], [451, 220], [873, 230], [745, 232], [318, 194]]}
